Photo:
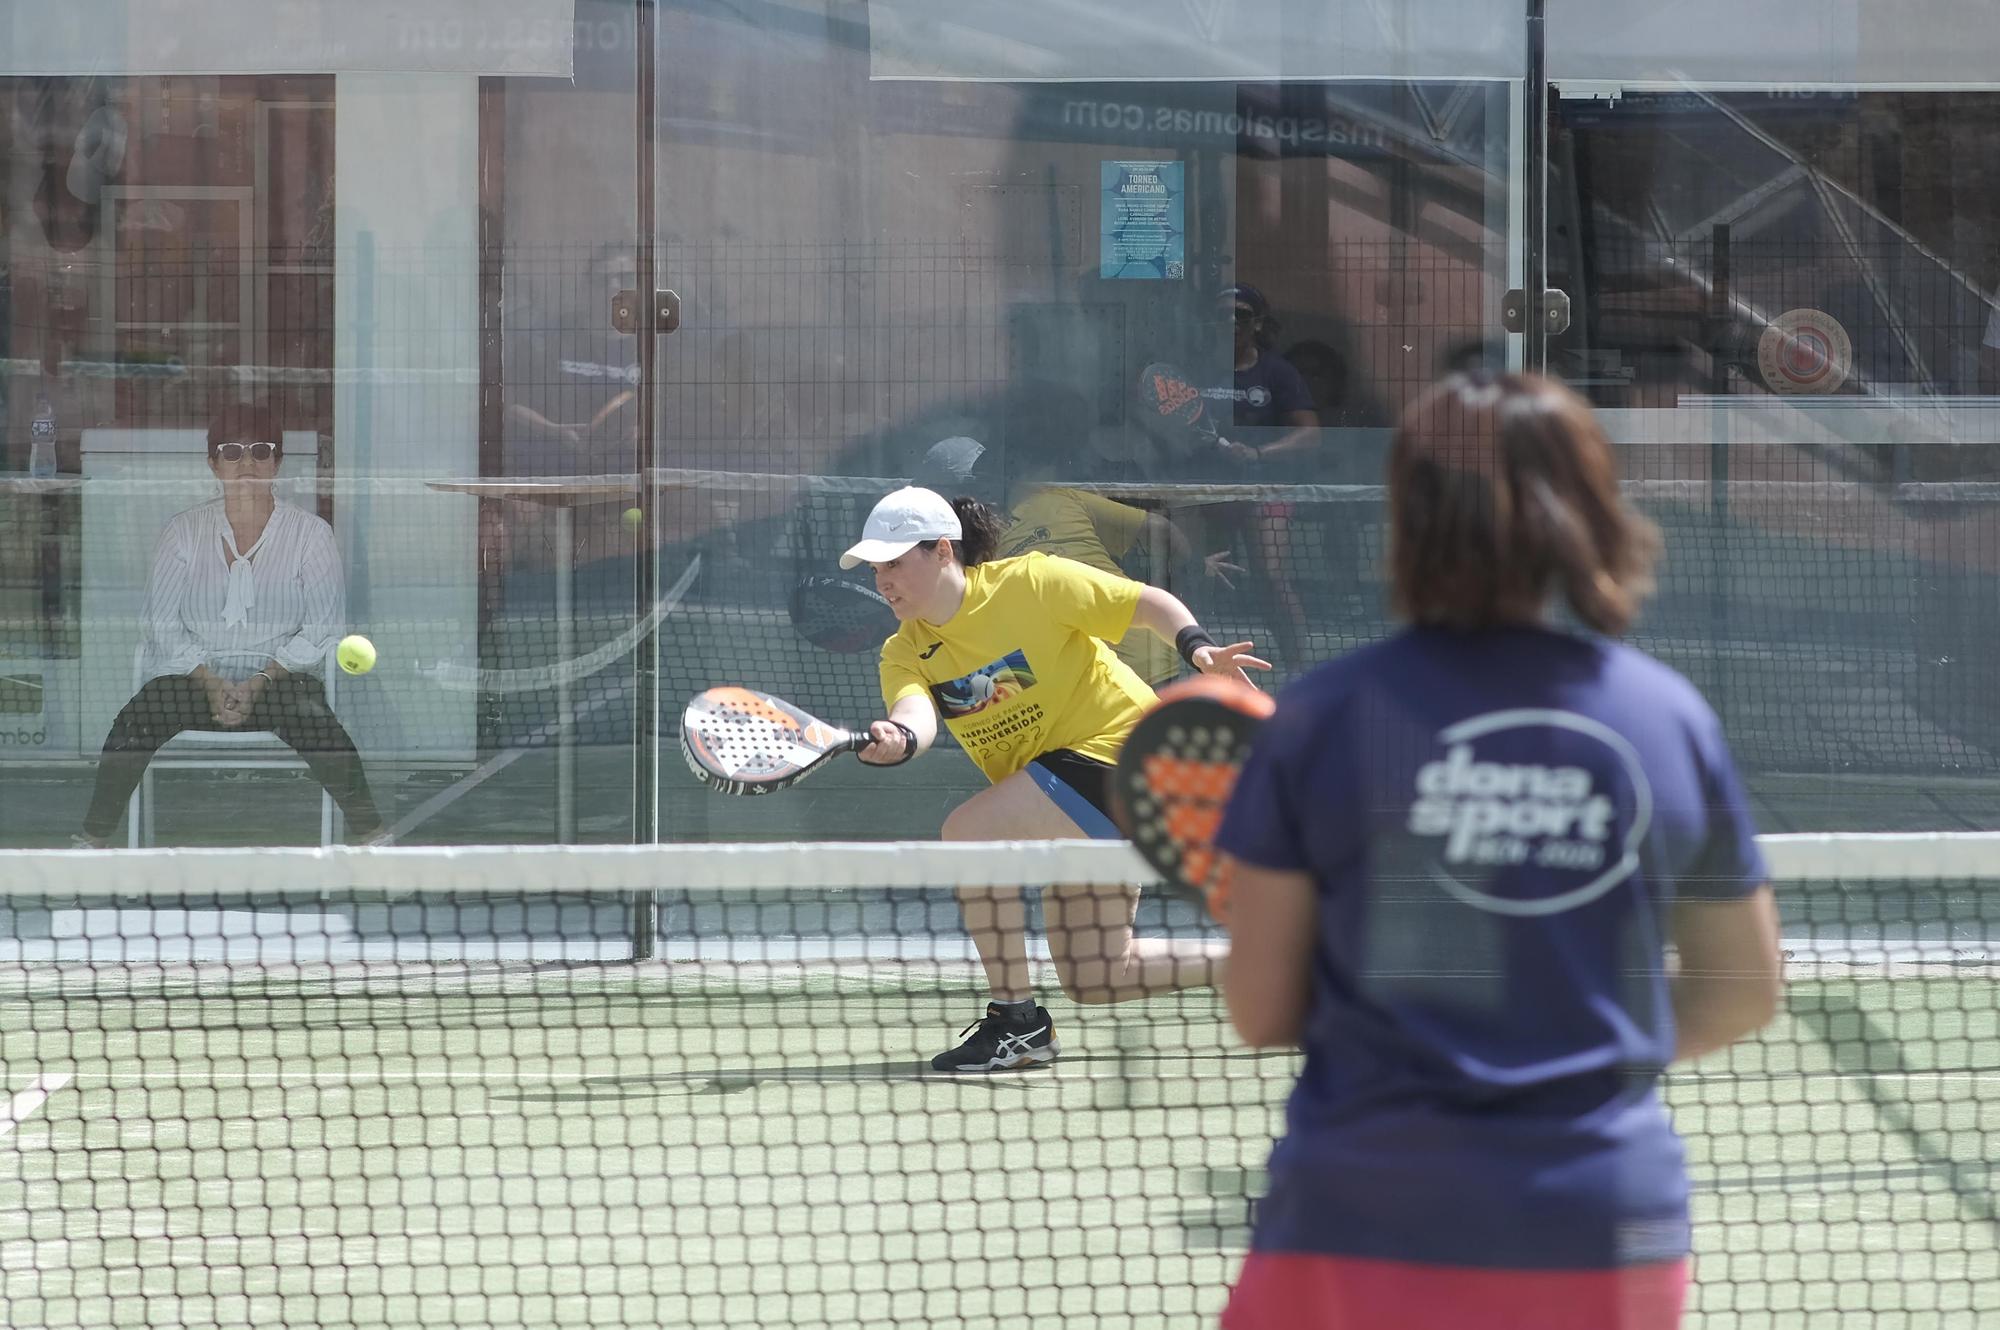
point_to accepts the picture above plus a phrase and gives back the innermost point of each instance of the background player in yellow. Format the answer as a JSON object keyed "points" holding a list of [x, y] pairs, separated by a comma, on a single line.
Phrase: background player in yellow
{"points": [[1011, 654], [1076, 524]]}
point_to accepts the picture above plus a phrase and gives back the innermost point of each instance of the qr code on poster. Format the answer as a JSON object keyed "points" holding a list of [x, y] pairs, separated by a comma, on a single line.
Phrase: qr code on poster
{"points": [[1176, 268]]}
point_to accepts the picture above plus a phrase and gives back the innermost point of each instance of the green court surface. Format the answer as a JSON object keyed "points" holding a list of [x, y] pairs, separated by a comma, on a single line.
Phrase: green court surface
{"points": [[621, 1147]]}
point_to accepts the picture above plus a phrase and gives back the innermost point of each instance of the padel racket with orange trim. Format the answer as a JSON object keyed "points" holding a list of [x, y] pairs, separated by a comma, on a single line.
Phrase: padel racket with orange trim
{"points": [[1176, 773], [1176, 400], [742, 741]]}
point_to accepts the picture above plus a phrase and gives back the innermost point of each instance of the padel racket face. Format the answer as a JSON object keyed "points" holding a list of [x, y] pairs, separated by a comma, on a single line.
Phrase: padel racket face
{"points": [[835, 614], [741, 741], [1174, 397], [1176, 773]]}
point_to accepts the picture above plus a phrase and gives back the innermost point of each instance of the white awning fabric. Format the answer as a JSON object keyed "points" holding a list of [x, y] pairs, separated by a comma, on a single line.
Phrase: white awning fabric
{"points": [[1776, 46], [1769, 45], [1183, 40], [120, 37]]}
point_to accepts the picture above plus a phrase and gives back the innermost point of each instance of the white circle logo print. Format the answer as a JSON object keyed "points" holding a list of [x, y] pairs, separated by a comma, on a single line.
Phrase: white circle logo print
{"points": [[1495, 815]]}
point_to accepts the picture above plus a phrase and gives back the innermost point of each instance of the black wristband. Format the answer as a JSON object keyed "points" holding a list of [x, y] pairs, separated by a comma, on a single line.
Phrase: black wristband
{"points": [[909, 745], [1190, 639]]}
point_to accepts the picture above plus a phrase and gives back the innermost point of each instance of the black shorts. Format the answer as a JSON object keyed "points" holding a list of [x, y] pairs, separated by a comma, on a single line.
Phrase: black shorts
{"points": [[1081, 787]]}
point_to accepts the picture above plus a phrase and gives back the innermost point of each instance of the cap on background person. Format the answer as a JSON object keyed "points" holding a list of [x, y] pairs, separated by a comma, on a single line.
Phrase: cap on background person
{"points": [[1246, 295], [899, 523], [951, 466], [962, 465]]}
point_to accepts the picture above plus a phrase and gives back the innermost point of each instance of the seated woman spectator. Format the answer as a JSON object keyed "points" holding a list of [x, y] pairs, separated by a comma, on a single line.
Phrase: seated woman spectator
{"points": [[244, 601]]}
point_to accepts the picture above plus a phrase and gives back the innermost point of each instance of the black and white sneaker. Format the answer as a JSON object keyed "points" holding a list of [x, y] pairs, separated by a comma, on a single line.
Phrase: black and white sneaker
{"points": [[1001, 1041]]}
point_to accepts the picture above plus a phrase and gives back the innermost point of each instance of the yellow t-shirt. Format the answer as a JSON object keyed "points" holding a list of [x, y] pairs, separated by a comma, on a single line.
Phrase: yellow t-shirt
{"points": [[1023, 667], [1097, 532]]}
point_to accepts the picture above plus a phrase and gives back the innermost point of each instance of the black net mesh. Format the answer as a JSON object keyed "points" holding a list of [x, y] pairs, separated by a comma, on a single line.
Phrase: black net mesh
{"points": [[332, 1091]]}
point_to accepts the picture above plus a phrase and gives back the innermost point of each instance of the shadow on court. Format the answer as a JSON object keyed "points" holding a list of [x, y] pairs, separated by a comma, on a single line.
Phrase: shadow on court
{"points": [[1879, 1060], [726, 1080]]}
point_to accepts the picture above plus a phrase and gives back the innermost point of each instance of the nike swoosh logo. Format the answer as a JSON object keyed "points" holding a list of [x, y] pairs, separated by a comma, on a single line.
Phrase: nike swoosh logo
{"points": [[932, 650]]}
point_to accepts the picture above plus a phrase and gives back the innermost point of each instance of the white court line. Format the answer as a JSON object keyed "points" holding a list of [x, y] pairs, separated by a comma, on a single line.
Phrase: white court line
{"points": [[799, 1073], [197, 1076], [794, 1075], [26, 1103]]}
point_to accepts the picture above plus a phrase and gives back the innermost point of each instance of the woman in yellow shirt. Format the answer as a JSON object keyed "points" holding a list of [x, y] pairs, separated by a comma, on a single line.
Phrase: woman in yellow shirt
{"points": [[1012, 655]]}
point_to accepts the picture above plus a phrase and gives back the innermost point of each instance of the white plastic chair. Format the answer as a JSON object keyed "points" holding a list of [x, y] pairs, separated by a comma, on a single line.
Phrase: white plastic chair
{"points": [[220, 750]]}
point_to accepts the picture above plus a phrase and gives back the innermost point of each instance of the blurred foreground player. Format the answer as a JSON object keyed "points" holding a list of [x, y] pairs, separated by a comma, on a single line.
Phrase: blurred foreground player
{"points": [[1458, 857]]}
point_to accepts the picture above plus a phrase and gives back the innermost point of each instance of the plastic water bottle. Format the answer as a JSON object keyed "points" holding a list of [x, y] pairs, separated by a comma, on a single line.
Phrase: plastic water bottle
{"points": [[42, 439]]}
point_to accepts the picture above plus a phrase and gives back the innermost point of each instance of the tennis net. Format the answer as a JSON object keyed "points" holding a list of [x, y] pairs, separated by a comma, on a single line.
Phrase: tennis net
{"points": [[422, 1087]]}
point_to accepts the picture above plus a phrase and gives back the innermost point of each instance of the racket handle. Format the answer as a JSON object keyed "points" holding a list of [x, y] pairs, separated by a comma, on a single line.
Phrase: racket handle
{"points": [[855, 742]]}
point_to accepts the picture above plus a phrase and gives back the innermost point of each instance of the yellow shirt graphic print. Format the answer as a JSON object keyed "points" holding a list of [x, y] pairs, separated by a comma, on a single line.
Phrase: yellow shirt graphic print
{"points": [[989, 686], [1022, 668]]}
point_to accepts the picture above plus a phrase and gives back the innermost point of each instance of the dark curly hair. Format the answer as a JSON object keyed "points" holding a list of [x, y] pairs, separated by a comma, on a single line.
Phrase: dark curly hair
{"points": [[983, 528]]}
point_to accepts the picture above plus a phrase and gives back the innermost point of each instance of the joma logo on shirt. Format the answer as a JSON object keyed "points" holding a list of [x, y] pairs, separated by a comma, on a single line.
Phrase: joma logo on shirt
{"points": [[1500, 813]]}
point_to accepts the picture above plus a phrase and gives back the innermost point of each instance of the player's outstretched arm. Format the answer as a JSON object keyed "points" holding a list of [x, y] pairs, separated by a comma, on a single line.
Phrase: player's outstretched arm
{"points": [[1160, 529], [1163, 613], [912, 718]]}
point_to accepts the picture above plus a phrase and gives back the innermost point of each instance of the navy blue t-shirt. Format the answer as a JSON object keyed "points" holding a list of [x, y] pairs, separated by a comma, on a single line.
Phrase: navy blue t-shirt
{"points": [[1266, 394], [1495, 822]]}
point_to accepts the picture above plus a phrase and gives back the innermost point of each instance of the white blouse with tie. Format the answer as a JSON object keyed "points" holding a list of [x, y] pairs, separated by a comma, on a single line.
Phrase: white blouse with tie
{"points": [[209, 603]]}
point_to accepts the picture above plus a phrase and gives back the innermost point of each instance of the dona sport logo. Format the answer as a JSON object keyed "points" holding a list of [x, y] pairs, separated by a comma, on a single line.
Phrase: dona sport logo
{"points": [[1489, 815]]}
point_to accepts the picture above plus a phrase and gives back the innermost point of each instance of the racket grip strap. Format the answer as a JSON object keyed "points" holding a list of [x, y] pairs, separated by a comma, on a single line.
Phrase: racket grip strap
{"points": [[909, 746], [1191, 639]]}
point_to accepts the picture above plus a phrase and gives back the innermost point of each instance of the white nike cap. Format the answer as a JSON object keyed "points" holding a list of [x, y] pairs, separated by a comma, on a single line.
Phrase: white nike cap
{"points": [[901, 522]]}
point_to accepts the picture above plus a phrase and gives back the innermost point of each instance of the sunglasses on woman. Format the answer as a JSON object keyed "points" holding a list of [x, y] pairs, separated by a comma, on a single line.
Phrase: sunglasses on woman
{"points": [[234, 452]]}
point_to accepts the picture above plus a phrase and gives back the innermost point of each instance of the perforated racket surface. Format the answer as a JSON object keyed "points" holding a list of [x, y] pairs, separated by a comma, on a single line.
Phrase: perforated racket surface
{"points": [[835, 614], [1174, 397], [1176, 773], [742, 741]]}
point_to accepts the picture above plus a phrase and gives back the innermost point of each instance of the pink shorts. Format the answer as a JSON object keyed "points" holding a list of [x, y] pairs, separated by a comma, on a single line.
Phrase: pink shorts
{"points": [[1303, 1292]]}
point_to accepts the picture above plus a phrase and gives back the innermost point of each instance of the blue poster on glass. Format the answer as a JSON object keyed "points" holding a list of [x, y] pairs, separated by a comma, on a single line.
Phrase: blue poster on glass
{"points": [[1142, 220]]}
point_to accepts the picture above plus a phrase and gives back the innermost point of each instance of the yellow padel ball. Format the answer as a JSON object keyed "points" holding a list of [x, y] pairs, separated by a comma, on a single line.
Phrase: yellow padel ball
{"points": [[355, 653]]}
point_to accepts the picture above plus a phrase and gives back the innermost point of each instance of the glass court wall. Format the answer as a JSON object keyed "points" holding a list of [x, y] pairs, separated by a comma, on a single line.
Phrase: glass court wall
{"points": [[561, 504]]}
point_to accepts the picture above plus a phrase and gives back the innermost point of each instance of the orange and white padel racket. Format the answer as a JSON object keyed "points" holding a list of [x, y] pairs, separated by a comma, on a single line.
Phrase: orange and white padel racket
{"points": [[1175, 399], [1175, 775], [742, 741]]}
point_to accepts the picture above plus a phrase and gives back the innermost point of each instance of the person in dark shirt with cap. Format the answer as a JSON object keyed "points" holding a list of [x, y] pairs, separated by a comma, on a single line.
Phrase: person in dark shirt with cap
{"points": [[1459, 856], [1266, 393]]}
